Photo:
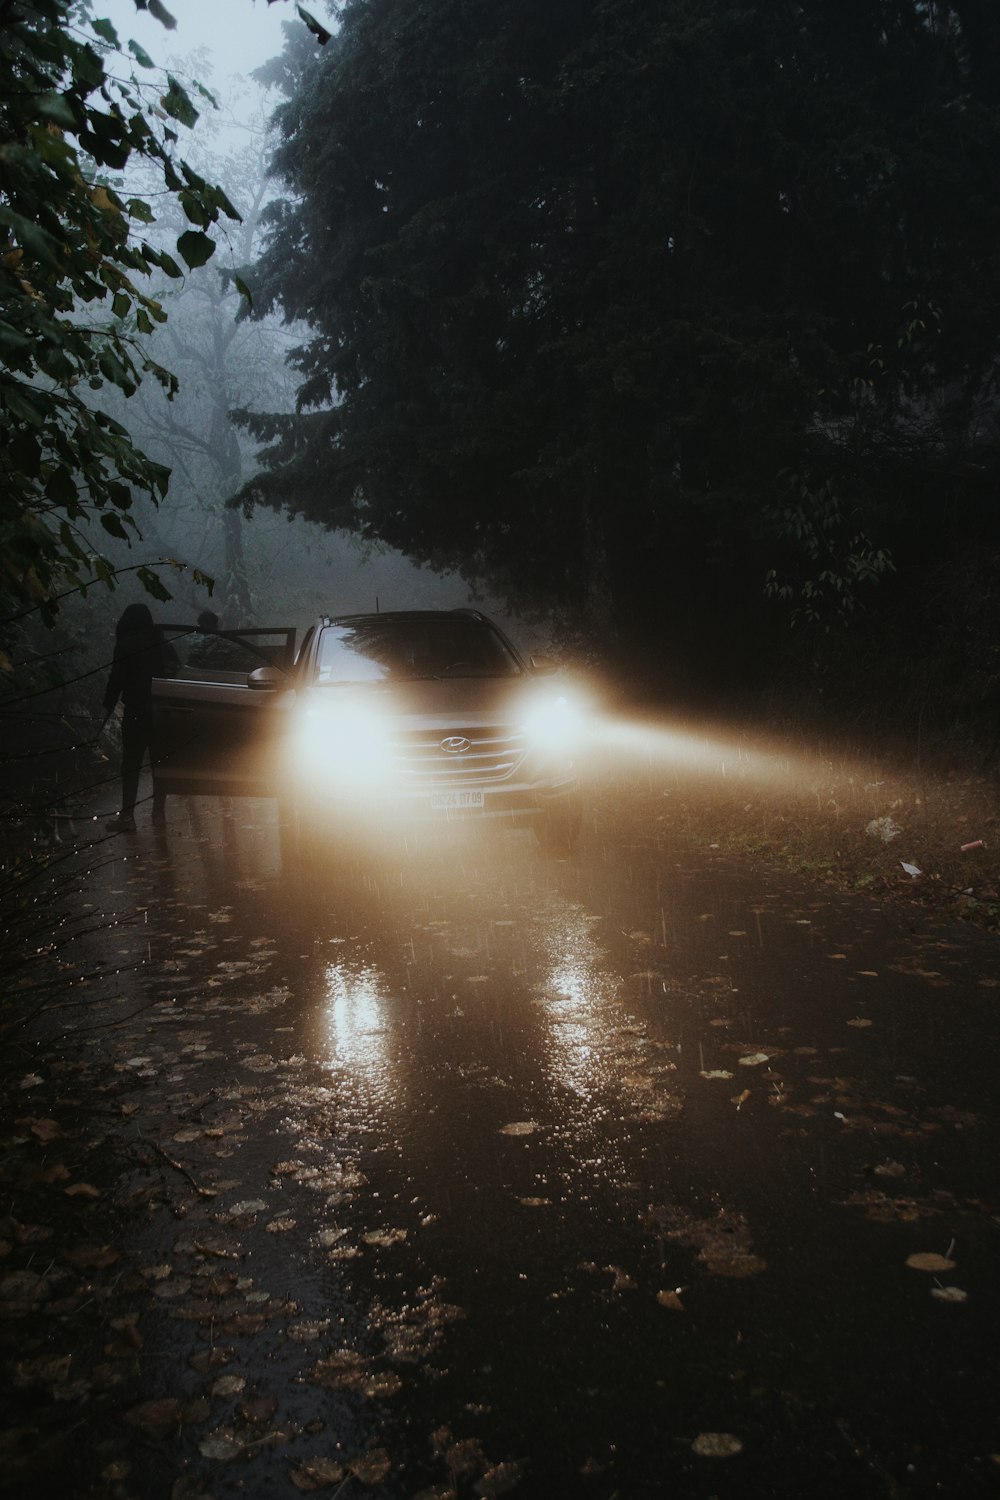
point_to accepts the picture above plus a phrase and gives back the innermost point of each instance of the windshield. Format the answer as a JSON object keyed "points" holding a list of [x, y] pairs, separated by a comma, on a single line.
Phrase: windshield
{"points": [[382, 649]]}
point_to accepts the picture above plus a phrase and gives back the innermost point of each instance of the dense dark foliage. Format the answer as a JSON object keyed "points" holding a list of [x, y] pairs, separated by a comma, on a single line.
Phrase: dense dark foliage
{"points": [[646, 306], [73, 308]]}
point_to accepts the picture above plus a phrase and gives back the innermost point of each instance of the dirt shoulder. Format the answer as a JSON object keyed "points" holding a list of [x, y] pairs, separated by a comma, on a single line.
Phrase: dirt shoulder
{"points": [[924, 832]]}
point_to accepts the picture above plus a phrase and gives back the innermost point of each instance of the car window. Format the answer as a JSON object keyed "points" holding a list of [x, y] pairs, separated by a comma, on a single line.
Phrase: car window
{"points": [[202, 653], [387, 650]]}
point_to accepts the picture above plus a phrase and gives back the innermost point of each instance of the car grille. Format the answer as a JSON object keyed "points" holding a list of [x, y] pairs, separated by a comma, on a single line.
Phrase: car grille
{"points": [[494, 753]]}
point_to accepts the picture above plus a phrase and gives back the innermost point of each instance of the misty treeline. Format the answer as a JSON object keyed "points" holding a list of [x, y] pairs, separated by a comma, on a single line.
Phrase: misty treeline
{"points": [[126, 209], [677, 319], [120, 353], [683, 313]]}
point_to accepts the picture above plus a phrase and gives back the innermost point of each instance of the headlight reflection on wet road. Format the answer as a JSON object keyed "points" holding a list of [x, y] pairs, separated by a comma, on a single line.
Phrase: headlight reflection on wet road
{"points": [[578, 1004], [357, 1023]]}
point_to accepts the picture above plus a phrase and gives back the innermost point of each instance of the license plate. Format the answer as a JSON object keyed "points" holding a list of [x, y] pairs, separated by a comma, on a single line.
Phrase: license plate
{"points": [[458, 799]]}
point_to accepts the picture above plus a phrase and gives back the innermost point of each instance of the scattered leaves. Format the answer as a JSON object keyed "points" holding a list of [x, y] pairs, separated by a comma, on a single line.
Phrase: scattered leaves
{"points": [[716, 1445], [157, 1419], [371, 1468], [317, 1474], [929, 1260], [222, 1445]]}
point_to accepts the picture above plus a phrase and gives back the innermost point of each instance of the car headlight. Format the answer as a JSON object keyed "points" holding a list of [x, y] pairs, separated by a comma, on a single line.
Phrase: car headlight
{"points": [[555, 723], [343, 742]]}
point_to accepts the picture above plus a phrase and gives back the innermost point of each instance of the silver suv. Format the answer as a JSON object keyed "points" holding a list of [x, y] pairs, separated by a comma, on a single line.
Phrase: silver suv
{"points": [[429, 715]]}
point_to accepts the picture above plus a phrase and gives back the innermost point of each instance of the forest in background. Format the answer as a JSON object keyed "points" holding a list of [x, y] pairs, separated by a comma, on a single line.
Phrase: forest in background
{"points": [[672, 328], [682, 317]]}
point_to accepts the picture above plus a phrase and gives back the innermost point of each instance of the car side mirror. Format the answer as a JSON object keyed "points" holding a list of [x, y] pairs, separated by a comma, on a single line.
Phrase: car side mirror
{"points": [[544, 666], [266, 679]]}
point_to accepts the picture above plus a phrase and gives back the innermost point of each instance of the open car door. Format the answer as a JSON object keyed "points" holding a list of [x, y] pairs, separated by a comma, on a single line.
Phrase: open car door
{"points": [[219, 716]]}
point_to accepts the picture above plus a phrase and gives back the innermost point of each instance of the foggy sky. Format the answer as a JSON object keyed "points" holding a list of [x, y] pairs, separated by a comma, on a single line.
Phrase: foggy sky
{"points": [[241, 34]]}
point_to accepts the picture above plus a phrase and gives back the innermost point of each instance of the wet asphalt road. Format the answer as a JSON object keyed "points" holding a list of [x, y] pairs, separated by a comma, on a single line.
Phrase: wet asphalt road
{"points": [[470, 1170]]}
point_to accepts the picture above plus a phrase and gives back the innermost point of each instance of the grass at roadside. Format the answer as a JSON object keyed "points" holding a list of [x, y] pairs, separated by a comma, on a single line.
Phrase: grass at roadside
{"points": [[859, 819]]}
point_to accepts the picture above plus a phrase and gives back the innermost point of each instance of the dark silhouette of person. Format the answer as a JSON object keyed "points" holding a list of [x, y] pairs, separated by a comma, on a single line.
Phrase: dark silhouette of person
{"points": [[213, 650], [139, 657]]}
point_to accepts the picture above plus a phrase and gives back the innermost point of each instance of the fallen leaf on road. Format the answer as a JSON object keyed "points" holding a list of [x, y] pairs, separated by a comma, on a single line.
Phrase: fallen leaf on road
{"points": [[43, 1370], [740, 1099], [92, 1257], [734, 1262], [371, 1468], [498, 1480], [860, 1021], [385, 1237], [715, 1073], [222, 1445], [157, 1419], [228, 1385], [258, 1411], [623, 1282], [754, 1059], [205, 1360], [306, 1333], [82, 1190], [949, 1294], [671, 1300], [716, 1445], [929, 1260], [317, 1474], [519, 1127]]}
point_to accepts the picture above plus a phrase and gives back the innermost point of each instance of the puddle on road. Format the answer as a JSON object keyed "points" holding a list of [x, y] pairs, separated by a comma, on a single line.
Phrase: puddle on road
{"points": [[483, 1174]]}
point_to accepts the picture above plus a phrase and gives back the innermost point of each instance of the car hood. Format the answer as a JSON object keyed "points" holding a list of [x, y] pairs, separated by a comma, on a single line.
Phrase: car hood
{"points": [[445, 698]]}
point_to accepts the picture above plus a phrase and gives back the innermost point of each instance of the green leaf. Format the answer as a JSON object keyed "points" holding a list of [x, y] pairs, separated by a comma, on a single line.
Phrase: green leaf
{"points": [[139, 209], [26, 453], [37, 241], [195, 247], [121, 305], [244, 291], [177, 103], [56, 107], [105, 29], [13, 343], [319, 32], [152, 584], [141, 56], [162, 15], [195, 209], [87, 67], [112, 524], [60, 488], [167, 264]]}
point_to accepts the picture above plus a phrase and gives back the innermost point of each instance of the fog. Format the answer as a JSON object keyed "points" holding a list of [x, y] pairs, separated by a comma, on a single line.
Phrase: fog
{"points": [[265, 567]]}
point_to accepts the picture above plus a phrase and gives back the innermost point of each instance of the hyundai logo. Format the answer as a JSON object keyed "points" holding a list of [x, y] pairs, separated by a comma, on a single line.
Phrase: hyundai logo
{"points": [[456, 744]]}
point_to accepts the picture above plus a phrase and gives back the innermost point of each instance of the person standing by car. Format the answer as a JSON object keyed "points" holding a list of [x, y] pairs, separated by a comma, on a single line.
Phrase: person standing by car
{"points": [[139, 657]]}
